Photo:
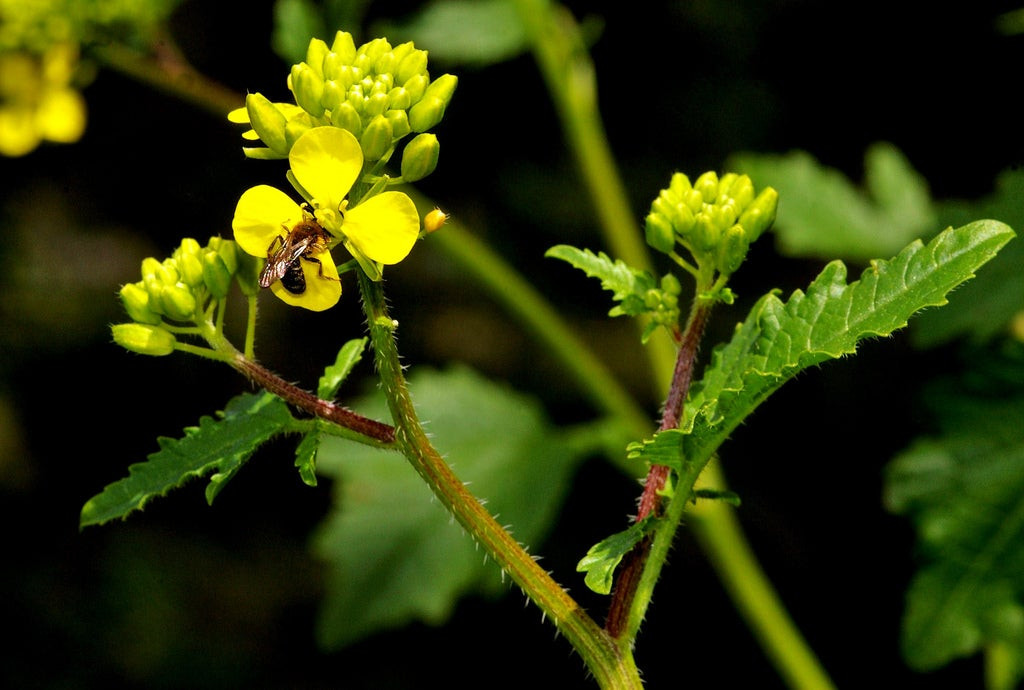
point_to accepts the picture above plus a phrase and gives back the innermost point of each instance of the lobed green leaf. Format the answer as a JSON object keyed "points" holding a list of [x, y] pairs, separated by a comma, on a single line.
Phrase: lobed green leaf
{"points": [[604, 557], [350, 354], [217, 447]]}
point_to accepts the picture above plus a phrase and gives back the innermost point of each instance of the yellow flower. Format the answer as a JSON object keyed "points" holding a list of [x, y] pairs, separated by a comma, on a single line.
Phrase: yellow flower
{"points": [[325, 163]]}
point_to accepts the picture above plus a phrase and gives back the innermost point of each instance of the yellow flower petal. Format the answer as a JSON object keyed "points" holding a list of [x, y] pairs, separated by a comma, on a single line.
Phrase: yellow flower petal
{"points": [[18, 132], [61, 116], [322, 292], [263, 213], [384, 227], [326, 161]]}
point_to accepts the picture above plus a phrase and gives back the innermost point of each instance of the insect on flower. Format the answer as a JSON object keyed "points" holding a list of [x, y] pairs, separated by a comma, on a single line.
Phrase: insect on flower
{"points": [[284, 254]]}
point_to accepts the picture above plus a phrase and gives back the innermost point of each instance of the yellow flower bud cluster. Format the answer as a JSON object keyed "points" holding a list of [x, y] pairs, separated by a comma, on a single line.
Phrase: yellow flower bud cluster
{"points": [[715, 219], [180, 289], [377, 92]]}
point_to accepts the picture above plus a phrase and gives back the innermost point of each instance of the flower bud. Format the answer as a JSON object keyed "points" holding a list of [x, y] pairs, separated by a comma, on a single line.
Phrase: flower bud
{"points": [[376, 139], [671, 285], [386, 64], [433, 221], [680, 185], [247, 274], [742, 192], [707, 185], [135, 299], [420, 157], [178, 302], [760, 215], [344, 46], [216, 275], [346, 117], [659, 233], [227, 250], [694, 201], [372, 51], [399, 123], [333, 95], [399, 99], [416, 86], [412, 65], [146, 340], [705, 234], [315, 54], [308, 88], [268, 122], [295, 128], [375, 105], [732, 249]]}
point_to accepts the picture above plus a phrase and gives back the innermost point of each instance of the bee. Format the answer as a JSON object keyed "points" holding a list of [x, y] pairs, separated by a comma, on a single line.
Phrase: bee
{"points": [[283, 256]]}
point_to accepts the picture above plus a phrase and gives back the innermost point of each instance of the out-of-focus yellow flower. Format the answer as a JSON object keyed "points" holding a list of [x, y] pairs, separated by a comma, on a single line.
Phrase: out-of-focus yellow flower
{"points": [[37, 102], [326, 162]]}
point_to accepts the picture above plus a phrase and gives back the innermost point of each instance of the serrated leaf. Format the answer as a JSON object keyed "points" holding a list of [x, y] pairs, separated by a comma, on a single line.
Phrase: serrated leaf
{"points": [[217, 447], [964, 492], [779, 339], [394, 554], [627, 285], [982, 308], [465, 32], [604, 557], [350, 354], [823, 214], [664, 448]]}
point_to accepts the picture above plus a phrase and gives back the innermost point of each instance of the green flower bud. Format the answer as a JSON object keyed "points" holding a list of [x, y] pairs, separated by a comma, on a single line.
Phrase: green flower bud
{"points": [[333, 96], [399, 123], [268, 122], [375, 105], [732, 250], [308, 88], [344, 46], [399, 99], [416, 86], [659, 233], [760, 215], [333, 66], [705, 234], [178, 302], [377, 138], [680, 185], [146, 340], [742, 192], [725, 187], [693, 200], [707, 185], [190, 267], [347, 75], [227, 250], [315, 54], [425, 114], [671, 285], [386, 64], [346, 117], [135, 299], [412, 65], [372, 51], [295, 128], [216, 275], [419, 158], [402, 50]]}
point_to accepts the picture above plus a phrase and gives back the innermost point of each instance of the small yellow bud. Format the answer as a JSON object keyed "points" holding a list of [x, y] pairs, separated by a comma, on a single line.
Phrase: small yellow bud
{"points": [[146, 340], [434, 220], [377, 138], [419, 158], [344, 46]]}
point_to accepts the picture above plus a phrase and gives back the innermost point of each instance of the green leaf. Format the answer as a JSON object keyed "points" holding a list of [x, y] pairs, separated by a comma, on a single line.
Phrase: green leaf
{"points": [[964, 491], [665, 448], [469, 32], [394, 554], [218, 446], [350, 355], [305, 457], [295, 23], [982, 308], [824, 215], [604, 557], [780, 339]]}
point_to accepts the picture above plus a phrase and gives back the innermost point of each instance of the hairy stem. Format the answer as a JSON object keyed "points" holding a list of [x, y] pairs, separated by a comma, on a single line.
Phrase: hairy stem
{"points": [[626, 610], [612, 667]]}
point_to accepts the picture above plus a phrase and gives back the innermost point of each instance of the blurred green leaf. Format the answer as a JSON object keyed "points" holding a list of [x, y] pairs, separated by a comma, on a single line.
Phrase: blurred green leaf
{"points": [[394, 554], [964, 491], [295, 23], [823, 214], [464, 32], [218, 445], [983, 307], [305, 457]]}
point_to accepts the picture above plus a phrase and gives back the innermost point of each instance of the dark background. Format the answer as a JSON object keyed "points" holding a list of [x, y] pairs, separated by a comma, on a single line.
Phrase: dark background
{"points": [[185, 595]]}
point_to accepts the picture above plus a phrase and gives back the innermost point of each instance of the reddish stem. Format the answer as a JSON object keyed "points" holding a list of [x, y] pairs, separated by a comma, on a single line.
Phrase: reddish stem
{"points": [[650, 502]]}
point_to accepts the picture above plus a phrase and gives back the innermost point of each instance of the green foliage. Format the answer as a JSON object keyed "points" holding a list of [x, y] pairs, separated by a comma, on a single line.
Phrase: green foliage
{"points": [[824, 215], [394, 554], [305, 457], [604, 557], [218, 445], [964, 491], [779, 339], [983, 307], [349, 355], [638, 292], [665, 448], [489, 31]]}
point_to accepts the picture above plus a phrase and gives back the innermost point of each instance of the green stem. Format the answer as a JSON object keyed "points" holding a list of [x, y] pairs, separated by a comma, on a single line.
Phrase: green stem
{"points": [[612, 667]]}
